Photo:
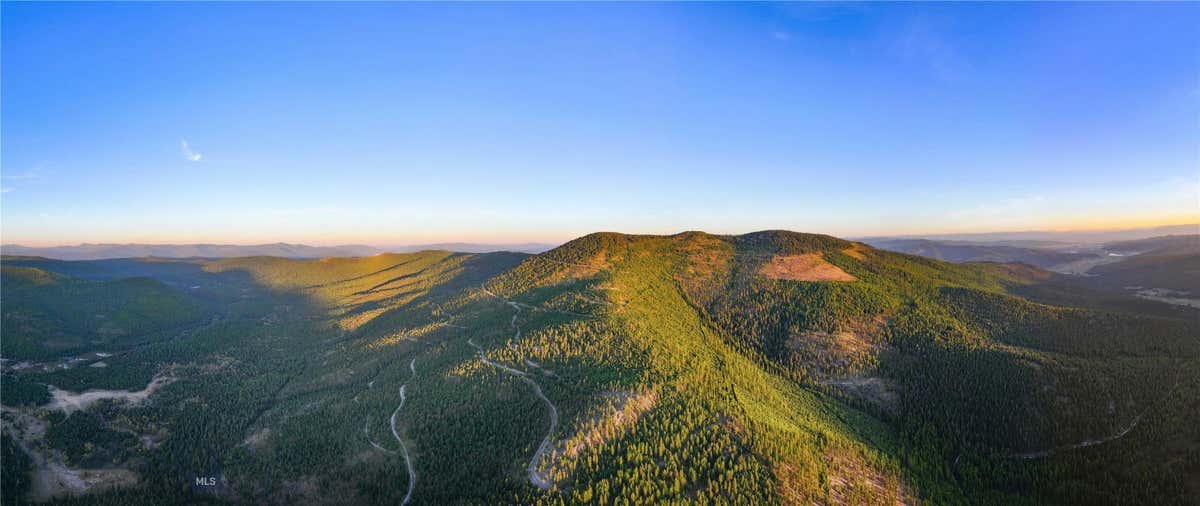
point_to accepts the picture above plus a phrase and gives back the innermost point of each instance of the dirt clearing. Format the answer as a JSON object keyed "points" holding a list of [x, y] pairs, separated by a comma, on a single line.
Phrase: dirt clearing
{"points": [[69, 401], [806, 267]]}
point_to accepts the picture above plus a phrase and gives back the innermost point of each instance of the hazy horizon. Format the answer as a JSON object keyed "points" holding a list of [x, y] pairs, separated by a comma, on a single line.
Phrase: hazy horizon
{"points": [[1148, 231], [413, 123]]}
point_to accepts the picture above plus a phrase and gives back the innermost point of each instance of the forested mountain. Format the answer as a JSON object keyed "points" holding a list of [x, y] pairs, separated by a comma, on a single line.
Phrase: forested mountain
{"points": [[766, 368]]}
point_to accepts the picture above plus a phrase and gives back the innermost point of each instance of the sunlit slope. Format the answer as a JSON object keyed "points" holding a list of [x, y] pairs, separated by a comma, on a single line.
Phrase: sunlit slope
{"points": [[971, 376], [719, 427], [357, 290]]}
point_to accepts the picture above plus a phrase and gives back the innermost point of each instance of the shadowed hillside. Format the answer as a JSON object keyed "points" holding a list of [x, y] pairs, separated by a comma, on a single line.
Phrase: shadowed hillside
{"points": [[1171, 262]]}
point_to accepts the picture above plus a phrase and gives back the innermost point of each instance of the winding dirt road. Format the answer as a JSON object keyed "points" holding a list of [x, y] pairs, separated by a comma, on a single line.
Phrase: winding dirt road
{"points": [[1093, 442], [367, 433], [1083, 444], [537, 478], [412, 474]]}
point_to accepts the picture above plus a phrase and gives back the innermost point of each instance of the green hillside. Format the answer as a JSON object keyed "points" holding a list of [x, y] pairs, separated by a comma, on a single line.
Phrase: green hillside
{"points": [[767, 368], [962, 369], [47, 314]]}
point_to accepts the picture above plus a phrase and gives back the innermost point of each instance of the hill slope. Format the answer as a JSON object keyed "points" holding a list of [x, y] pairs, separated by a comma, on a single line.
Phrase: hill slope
{"points": [[905, 337], [47, 314], [767, 368]]}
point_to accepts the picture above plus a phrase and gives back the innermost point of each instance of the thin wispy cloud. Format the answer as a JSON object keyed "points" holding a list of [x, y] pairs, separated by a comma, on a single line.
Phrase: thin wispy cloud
{"points": [[28, 175], [188, 153]]}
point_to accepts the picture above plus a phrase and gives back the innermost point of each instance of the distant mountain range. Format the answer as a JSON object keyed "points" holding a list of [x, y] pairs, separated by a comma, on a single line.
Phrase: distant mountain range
{"points": [[1166, 245], [1045, 249], [1031, 237], [107, 251], [1070, 252], [1145, 266], [471, 247], [1044, 255]]}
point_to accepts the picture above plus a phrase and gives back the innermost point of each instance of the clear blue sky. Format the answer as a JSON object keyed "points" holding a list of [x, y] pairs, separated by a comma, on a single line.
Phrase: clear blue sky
{"points": [[410, 123]]}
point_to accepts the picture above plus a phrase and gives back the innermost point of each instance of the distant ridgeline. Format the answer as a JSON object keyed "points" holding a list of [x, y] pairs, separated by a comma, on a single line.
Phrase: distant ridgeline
{"points": [[284, 250], [108, 251], [766, 368]]}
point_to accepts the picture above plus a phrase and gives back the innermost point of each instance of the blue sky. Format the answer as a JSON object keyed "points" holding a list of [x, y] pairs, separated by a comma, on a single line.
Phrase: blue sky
{"points": [[411, 123]]}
